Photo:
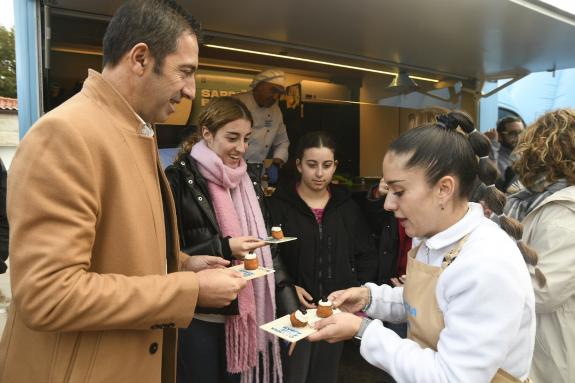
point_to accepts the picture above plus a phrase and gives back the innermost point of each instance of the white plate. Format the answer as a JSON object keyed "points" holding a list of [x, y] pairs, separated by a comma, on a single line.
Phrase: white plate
{"points": [[282, 327], [251, 274]]}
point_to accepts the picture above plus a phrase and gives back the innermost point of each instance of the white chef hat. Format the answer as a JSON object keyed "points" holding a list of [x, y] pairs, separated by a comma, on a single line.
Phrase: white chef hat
{"points": [[273, 76]]}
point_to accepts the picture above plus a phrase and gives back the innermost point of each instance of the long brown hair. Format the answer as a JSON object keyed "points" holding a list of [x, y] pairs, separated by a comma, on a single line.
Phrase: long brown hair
{"points": [[217, 113]]}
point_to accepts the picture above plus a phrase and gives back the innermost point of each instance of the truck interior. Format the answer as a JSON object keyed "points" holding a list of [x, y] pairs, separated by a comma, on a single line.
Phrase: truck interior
{"points": [[360, 68]]}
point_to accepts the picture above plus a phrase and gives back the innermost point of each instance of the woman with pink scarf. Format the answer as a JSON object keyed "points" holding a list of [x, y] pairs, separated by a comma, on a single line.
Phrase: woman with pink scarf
{"points": [[219, 213]]}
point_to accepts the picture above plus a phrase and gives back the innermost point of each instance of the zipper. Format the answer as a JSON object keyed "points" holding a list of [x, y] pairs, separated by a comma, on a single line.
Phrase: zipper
{"points": [[320, 275], [329, 258]]}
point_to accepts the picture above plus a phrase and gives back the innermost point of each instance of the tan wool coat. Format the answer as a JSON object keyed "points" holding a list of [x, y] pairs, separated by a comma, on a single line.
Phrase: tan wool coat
{"points": [[91, 298]]}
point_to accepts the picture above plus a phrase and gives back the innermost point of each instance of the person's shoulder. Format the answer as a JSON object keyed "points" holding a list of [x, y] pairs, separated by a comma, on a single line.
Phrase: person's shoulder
{"points": [[245, 97]]}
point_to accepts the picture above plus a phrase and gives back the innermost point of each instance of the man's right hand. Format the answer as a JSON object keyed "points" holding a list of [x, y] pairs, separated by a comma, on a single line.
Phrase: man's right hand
{"points": [[492, 134], [219, 287]]}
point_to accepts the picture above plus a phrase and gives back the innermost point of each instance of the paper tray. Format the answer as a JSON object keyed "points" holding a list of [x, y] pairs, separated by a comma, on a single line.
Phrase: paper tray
{"points": [[282, 327], [272, 240], [251, 274]]}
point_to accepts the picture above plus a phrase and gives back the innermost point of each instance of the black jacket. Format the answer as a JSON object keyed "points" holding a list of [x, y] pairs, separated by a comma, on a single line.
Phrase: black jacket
{"points": [[197, 225], [3, 219], [385, 229], [335, 255]]}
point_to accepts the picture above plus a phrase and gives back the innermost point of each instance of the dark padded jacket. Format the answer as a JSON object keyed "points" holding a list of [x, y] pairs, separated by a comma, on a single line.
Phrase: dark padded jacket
{"points": [[385, 230], [3, 219], [335, 255], [197, 224]]}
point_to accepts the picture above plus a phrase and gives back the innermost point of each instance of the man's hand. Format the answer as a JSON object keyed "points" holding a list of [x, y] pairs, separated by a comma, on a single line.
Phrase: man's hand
{"points": [[240, 246], [399, 281], [304, 297], [219, 287], [336, 328], [492, 134], [278, 161], [381, 190], [351, 300], [201, 262]]}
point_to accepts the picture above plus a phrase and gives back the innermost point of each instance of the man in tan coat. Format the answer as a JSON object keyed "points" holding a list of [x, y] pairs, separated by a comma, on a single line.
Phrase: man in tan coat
{"points": [[98, 283]]}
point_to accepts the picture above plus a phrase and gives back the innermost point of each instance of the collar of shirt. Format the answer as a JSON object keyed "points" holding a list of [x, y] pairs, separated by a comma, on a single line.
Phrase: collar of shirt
{"points": [[146, 129], [454, 233]]}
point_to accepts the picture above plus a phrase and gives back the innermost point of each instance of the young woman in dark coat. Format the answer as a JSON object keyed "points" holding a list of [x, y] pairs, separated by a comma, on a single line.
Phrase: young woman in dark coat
{"points": [[211, 184], [333, 249]]}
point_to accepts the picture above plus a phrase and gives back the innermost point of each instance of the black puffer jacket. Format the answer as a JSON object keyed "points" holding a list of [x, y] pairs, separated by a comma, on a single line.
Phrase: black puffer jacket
{"points": [[197, 225], [335, 255], [385, 230]]}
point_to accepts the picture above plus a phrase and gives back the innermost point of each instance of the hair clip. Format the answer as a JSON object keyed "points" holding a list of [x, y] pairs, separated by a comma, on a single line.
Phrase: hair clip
{"points": [[484, 157], [473, 131]]}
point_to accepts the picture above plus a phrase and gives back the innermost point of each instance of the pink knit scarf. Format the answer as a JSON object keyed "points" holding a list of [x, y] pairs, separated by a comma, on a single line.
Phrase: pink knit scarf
{"points": [[238, 213]]}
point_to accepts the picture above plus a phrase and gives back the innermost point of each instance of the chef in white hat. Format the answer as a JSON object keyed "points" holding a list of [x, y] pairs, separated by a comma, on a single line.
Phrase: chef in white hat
{"points": [[269, 138]]}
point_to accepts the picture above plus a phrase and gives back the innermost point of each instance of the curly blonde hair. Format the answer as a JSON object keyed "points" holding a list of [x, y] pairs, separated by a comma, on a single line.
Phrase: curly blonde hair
{"points": [[547, 148]]}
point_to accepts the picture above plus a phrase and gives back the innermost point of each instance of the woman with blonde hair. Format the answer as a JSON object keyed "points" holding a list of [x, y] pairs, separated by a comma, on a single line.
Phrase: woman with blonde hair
{"points": [[546, 207]]}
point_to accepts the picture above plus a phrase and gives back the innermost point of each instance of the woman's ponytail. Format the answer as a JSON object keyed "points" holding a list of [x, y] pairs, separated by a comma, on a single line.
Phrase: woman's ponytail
{"points": [[485, 190]]}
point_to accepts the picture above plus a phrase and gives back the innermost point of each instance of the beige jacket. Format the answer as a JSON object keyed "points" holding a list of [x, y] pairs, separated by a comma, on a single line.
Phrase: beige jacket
{"points": [[88, 250], [550, 229]]}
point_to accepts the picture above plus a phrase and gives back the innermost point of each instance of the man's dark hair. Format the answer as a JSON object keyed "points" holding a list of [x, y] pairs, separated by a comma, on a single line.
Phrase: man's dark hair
{"points": [[502, 123], [157, 23]]}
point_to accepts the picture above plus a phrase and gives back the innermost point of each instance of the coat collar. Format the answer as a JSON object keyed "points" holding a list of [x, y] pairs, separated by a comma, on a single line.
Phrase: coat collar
{"points": [[565, 197], [454, 233], [104, 94]]}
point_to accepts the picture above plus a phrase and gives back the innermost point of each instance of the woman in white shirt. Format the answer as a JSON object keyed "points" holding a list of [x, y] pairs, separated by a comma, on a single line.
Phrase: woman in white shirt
{"points": [[468, 298]]}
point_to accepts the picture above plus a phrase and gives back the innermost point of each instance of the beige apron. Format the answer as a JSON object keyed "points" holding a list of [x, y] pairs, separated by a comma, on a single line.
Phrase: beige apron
{"points": [[424, 317]]}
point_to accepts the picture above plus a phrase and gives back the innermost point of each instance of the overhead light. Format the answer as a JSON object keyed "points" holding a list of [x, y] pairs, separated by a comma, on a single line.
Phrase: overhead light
{"points": [[402, 84], [295, 58]]}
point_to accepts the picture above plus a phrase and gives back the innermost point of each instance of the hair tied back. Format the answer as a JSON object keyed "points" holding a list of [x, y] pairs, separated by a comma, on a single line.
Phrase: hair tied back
{"points": [[448, 121]]}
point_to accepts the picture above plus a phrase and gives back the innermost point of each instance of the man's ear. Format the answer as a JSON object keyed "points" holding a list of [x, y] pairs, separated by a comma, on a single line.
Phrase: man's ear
{"points": [[446, 189], [140, 59]]}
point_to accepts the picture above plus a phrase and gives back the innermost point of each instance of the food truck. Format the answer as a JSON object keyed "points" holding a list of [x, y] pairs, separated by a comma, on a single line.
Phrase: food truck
{"points": [[356, 68]]}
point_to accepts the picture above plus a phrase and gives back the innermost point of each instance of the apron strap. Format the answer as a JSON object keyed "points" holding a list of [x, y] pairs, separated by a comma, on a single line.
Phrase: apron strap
{"points": [[454, 252]]}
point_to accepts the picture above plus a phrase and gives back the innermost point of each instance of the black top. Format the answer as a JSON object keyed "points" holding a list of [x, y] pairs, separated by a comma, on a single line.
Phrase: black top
{"points": [[3, 219], [336, 254]]}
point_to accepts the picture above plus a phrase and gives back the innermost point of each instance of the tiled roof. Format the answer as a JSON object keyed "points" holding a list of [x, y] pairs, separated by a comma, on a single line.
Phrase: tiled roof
{"points": [[8, 103]]}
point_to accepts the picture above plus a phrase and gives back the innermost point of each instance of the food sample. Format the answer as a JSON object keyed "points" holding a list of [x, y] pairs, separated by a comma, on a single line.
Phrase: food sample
{"points": [[250, 261], [277, 232], [299, 318], [324, 308]]}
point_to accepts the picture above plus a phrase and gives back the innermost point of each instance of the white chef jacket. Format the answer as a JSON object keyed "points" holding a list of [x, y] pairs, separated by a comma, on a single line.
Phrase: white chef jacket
{"points": [[488, 306], [269, 133]]}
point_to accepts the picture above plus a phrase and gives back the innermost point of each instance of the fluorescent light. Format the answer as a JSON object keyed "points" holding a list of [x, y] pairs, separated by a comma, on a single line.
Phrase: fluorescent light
{"points": [[363, 69], [564, 5]]}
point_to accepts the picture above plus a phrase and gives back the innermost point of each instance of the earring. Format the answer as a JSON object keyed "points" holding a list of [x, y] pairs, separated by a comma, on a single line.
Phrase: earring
{"points": [[441, 206]]}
